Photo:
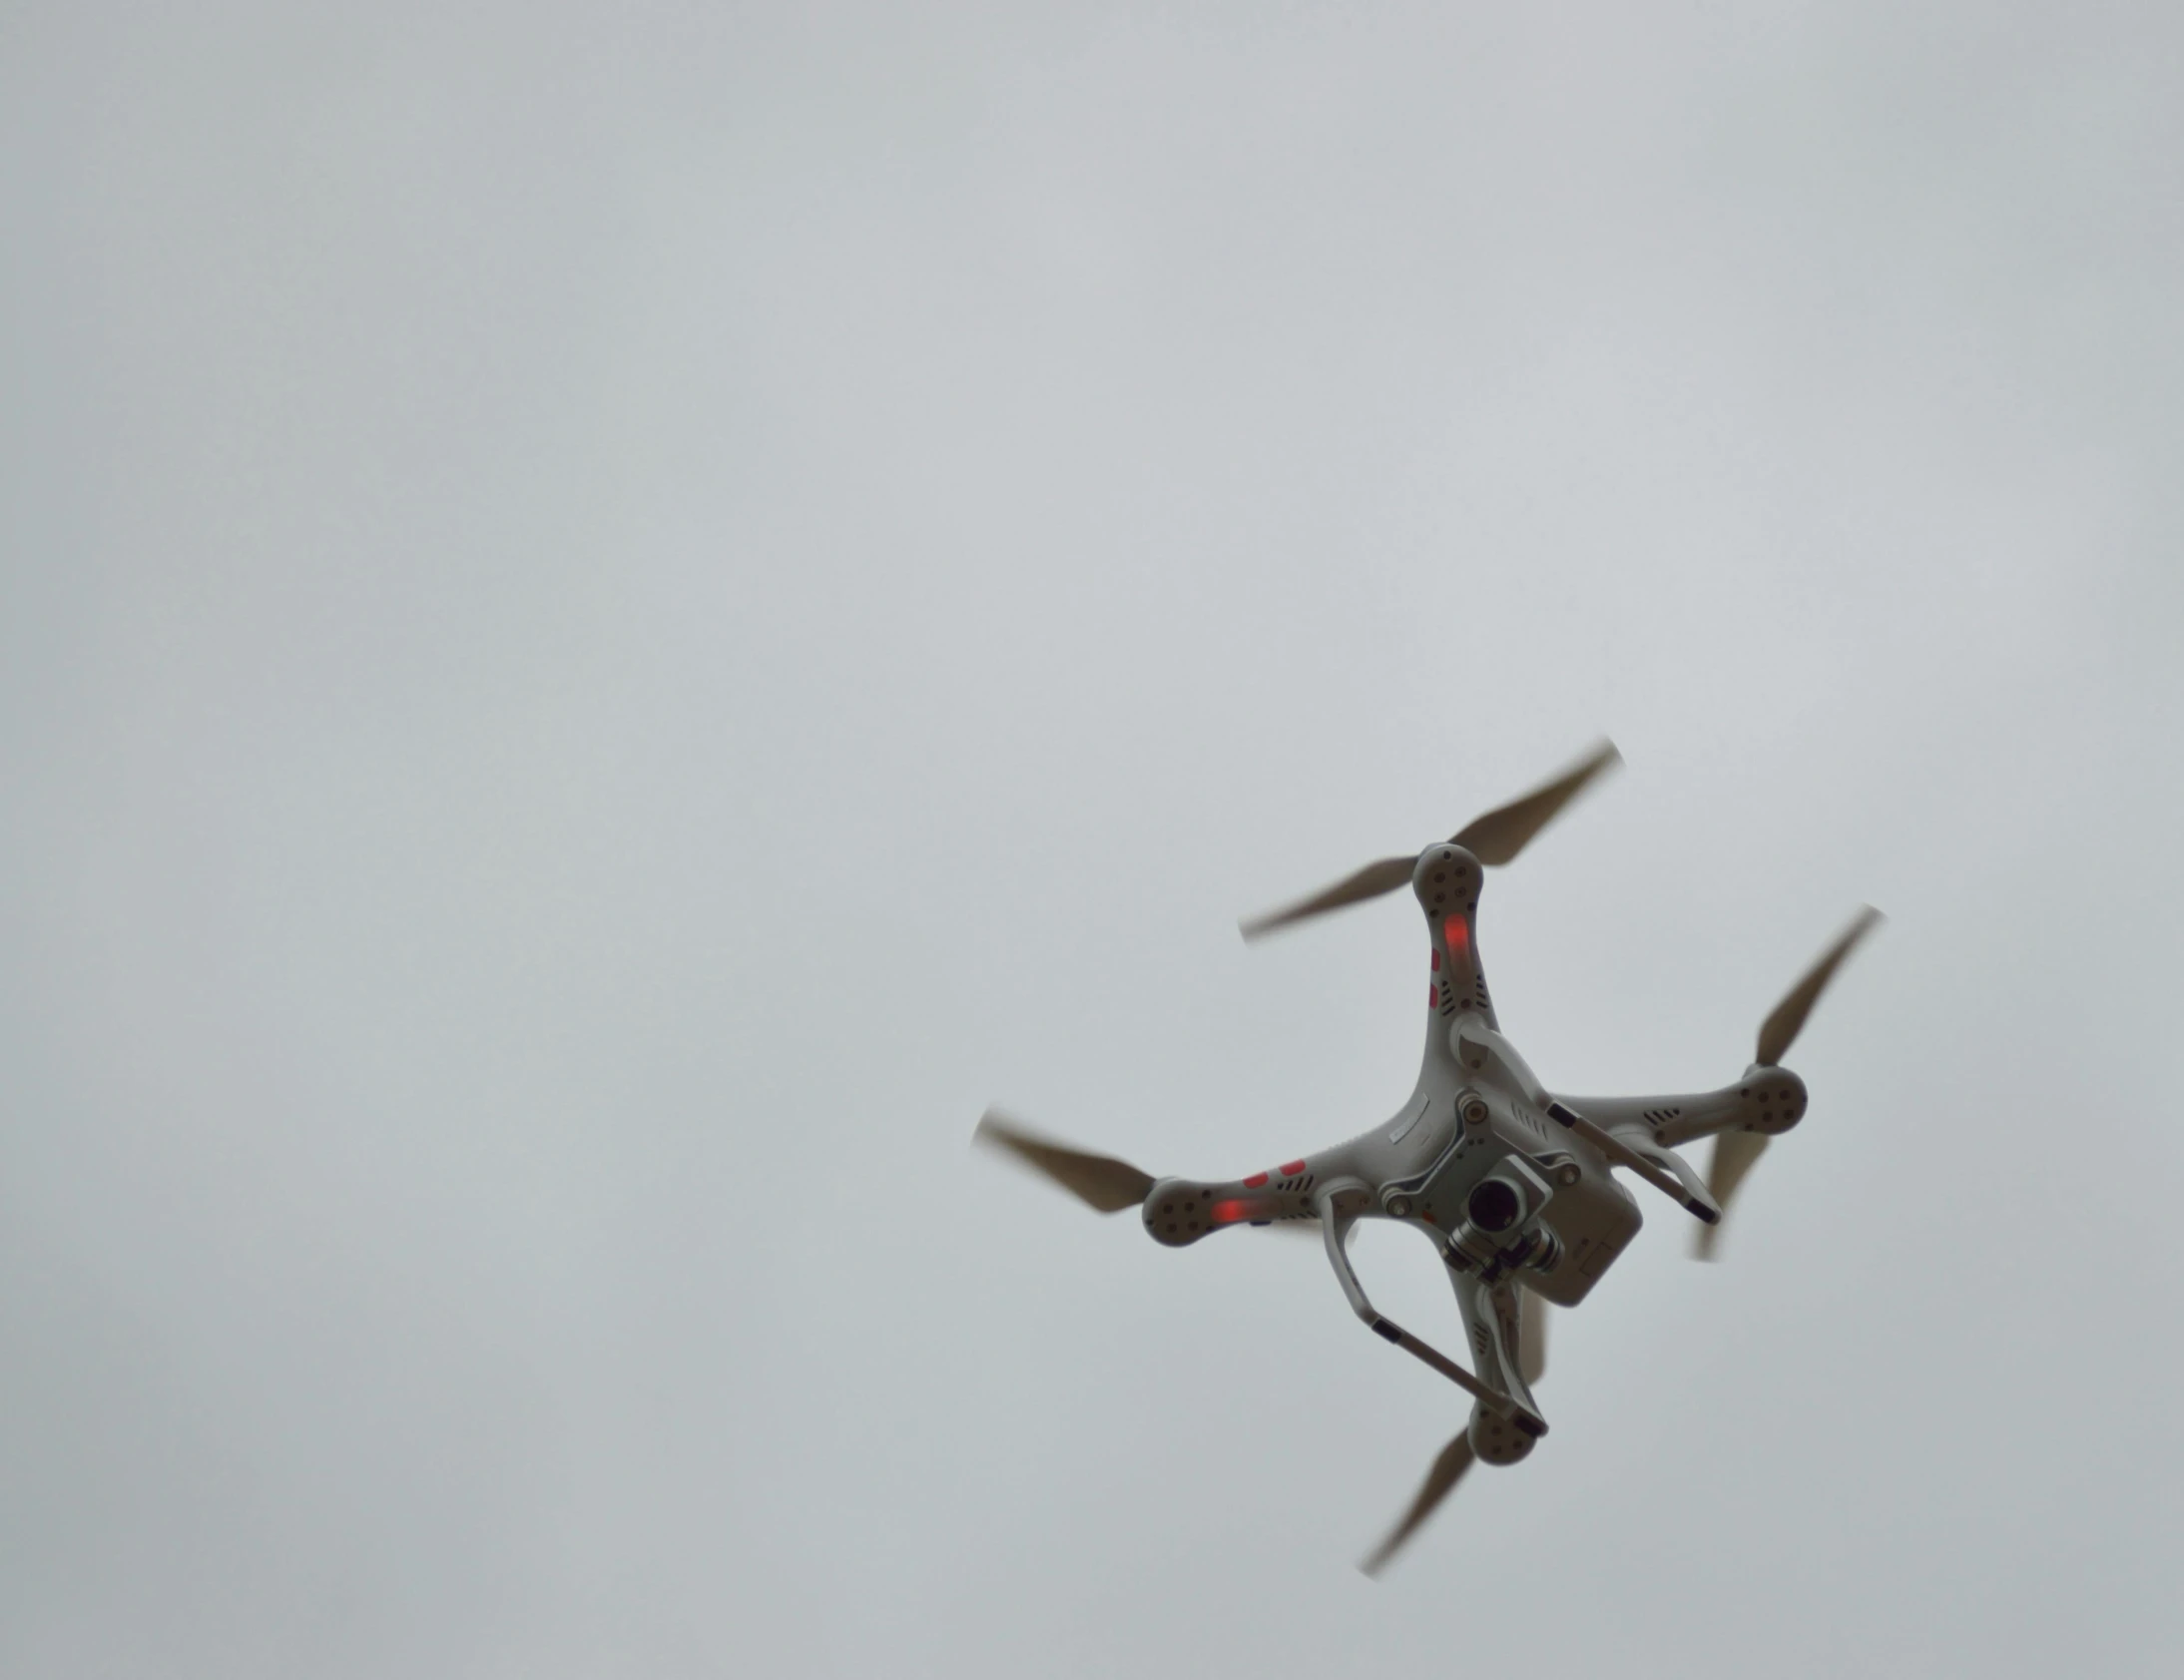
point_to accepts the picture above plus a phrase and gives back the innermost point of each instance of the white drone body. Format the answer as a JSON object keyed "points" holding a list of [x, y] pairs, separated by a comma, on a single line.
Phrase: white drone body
{"points": [[1512, 1182]]}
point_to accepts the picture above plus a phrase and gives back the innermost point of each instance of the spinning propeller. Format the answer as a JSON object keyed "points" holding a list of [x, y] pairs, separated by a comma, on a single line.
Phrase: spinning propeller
{"points": [[1493, 839], [1440, 1481], [1736, 1153], [1099, 1181], [1457, 1456]]}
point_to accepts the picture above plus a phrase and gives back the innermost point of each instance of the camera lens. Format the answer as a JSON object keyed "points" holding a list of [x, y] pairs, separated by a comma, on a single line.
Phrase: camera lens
{"points": [[1494, 1205]]}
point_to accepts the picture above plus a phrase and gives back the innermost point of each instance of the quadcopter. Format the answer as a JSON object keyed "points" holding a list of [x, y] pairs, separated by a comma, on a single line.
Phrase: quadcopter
{"points": [[1510, 1182]]}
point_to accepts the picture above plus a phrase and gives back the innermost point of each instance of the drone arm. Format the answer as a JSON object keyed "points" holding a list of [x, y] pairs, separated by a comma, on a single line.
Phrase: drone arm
{"points": [[1766, 1099], [1333, 1227]]}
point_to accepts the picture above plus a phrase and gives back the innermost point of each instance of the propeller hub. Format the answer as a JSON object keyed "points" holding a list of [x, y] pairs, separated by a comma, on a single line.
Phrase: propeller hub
{"points": [[1179, 1211], [1498, 1439], [1447, 880], [1773, 1098]]}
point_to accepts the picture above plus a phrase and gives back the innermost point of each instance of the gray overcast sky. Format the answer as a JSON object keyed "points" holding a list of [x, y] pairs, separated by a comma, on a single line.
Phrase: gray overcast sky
{"points": [[611, 618]]}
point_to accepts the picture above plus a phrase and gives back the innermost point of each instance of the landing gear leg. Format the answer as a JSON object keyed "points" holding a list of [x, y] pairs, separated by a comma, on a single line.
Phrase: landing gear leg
{"points": [[1510, 1411]]}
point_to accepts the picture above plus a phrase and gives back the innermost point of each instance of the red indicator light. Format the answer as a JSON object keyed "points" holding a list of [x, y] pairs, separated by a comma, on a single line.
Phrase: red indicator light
{"points": [[1456, 934], [1256, 1182], [1234, 1213], [1294, 1168]]}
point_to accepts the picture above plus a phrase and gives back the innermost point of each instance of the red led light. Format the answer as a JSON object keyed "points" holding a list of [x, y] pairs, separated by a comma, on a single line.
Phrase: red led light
{"points": [[1243, 1208], [1256, 1181], [1456, 934], [1292, 1168]]}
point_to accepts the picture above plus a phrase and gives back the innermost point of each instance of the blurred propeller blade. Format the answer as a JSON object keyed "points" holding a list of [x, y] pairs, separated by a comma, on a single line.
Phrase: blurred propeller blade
{"points": [[1735, 1154], [1495, 839], [1779, 1030], [1531, 1337], [1455, 1457], [1500, 834], [1099, 1180], [1368, 883], [1447, 1470]]}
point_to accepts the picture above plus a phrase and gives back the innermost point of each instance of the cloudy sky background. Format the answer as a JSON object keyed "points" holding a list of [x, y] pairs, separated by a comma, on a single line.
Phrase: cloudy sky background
{"points": [[612, 619]]}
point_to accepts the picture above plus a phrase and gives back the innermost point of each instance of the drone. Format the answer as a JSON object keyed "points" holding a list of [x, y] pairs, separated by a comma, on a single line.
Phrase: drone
{"points": [[1511, 1181]]}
